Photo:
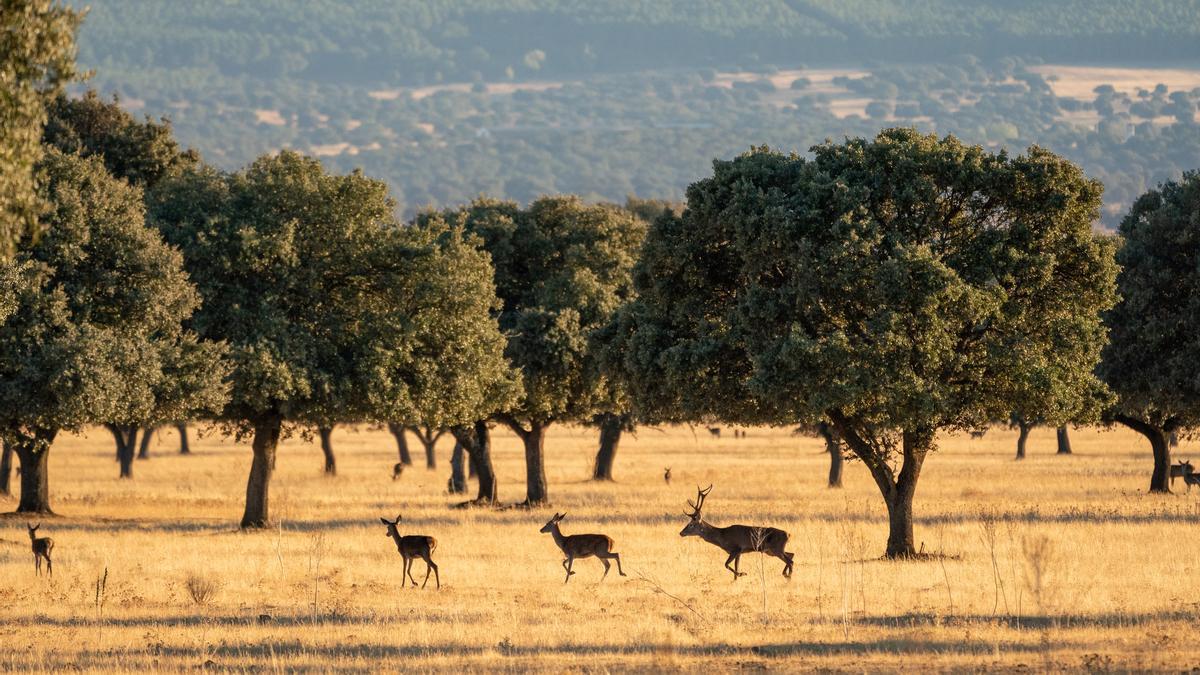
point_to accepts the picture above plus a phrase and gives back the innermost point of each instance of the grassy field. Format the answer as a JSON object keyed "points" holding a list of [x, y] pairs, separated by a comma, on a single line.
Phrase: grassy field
{"points": [[1084, 571]]}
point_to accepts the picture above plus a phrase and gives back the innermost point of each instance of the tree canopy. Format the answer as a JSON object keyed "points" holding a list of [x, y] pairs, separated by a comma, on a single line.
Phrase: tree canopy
{"points": [[97, 335], [331, 310], [1152, 359], [898, 286], [37, 57]]}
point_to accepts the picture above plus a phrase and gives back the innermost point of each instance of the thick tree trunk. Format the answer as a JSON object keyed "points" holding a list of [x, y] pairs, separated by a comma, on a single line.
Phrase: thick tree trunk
{"points": [[327, 449], [126, 442], [1022, 437], [401, 443], [472, 472], [6, 455], [900, 501], [458, 473], [833, 446], [35, 472], [1160, 444], [610, 437], [430, 445], [181, 427], [266, 440], [1064, 441], [147, 436], [477, 442], [536, 492]]}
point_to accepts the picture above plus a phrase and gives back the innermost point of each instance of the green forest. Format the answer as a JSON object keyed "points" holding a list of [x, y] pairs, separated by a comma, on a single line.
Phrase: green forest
{"points": [[449, 100]]}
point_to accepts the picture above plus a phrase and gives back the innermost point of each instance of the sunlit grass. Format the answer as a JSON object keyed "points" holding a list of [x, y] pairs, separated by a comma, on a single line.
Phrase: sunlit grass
{"points": [[1088, 571]]}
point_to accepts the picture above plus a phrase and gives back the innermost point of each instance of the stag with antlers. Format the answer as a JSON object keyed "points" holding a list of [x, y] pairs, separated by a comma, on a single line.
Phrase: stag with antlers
{"points": [[582, 546], [737, 539]]}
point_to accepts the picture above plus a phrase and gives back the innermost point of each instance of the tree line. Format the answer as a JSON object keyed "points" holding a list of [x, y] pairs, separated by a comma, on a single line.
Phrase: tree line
{"points": [[887, 289]]}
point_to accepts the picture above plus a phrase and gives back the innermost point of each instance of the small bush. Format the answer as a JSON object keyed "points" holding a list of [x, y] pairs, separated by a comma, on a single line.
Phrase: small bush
{"points": [[201, 589]]}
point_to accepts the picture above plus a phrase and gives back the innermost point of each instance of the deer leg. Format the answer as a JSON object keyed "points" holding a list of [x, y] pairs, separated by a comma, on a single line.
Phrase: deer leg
{"points": [[620, 571], [569, 562], [37, 563], [607, 566], [734, 558], [410, 574], [437, 577], [49, 565]]}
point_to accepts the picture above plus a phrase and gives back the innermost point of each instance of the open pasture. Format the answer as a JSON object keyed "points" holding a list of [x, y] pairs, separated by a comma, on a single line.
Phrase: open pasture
{"points": [[1084, 571]]}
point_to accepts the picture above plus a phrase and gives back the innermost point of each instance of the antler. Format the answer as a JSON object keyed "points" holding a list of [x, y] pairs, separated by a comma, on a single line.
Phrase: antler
{"points": [[698, 505]]}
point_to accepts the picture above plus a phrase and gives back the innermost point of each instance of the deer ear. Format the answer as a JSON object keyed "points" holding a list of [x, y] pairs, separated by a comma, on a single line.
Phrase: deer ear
{"points": [[385, 520]]}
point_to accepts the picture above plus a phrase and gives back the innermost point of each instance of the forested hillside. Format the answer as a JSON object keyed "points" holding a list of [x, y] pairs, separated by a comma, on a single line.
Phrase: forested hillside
{"points": [[446, 100]]}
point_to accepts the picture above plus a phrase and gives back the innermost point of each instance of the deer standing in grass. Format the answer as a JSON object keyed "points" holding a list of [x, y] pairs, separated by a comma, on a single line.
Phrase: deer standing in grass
{"points": [[737, 539], [414, 546], [582, 546], [42, 546]]}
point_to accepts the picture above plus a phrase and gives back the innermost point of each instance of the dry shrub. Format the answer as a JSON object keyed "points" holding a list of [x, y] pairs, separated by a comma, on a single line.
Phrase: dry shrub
{"points": [[201, 589]]}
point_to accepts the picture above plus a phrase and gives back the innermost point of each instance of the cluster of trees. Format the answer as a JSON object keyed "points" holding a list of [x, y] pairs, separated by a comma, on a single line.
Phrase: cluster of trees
{"points": [[883, 291]]}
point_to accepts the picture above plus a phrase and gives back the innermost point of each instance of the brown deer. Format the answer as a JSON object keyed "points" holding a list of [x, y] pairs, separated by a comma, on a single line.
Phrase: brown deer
{"points": [[42, 546], [715, 432], [414, 546], [397, 470], [737, 539], [1190, 478], [1180, 470], [667, 475], [977, 434], [582, 546]]}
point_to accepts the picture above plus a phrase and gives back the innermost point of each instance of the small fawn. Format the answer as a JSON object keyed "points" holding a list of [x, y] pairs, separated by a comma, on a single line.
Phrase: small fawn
{"points": [[667, 475], [582, 546], [42, 546], [414, 546]]}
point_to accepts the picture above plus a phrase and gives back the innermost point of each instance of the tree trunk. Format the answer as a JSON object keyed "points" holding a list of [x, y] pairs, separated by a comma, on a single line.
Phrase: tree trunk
{"points": [[1064, 441], [472, 472], [35, 472], [610, 437], [477, 442], [147, 436], [6, 455], [899, 502], [536, 493], [429, 441], [401, 443], [833, 446], [1160, 444], [126, 442], [458, 474], [327, 449], [181, 427], [1022, 436], [266, 439]]}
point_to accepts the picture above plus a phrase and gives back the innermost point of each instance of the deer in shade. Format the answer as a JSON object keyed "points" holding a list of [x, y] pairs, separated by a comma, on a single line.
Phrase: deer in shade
{"points": [[582, 546], [42, 546], [736, 539], [1180, 470], [414, 546]]}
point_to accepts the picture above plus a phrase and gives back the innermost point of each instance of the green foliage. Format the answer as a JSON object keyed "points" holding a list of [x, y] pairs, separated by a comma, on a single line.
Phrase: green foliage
{"points": [[562, 269], [331, 310], [97, 335], [37, 57], [142, 153], [1151, 360]]}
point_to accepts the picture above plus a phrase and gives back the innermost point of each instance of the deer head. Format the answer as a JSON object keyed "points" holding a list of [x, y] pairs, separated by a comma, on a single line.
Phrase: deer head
{"points": [[391, 526], [696, 517], [549, 526], [32, 529]]}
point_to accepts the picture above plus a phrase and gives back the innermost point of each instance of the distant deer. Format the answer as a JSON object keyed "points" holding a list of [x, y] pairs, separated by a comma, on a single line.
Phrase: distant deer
{"points": [[397, 470], [1190, 478], [715, 431], [582, 546], [737, 539], [667, 475], [1180, 470], [414, 546], [42, 546], [977, 434]]}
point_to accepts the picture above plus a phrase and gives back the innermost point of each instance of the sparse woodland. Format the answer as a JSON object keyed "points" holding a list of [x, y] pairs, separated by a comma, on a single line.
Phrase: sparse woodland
{"points": [[834, 341]]}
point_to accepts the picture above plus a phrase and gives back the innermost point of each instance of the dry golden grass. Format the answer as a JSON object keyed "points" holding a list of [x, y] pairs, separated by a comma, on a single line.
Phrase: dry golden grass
{"points": [[1089, 572]]}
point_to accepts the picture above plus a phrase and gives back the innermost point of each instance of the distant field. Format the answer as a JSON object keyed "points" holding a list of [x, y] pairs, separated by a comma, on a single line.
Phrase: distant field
{"points": [[1116, 565]]}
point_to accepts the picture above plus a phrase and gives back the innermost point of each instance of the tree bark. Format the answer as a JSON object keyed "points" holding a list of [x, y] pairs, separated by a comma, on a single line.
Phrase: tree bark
{"points": [[458, 474], [1160, 444], [401, 443], [1022, 436], [833, 446], [6, 455], [477, 442], [536, 492], [34, 453], [181, 427], [147, 436], [266, 440], [1064, 441], [126, 438], [429, 438], [611, 426], [327, 449]]}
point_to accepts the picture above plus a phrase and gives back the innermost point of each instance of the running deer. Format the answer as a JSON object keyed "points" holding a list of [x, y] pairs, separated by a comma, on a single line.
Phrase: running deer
{"points": [[582, 546], [737, 539], [414, 546], [42, 546], [1180, 470]]}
